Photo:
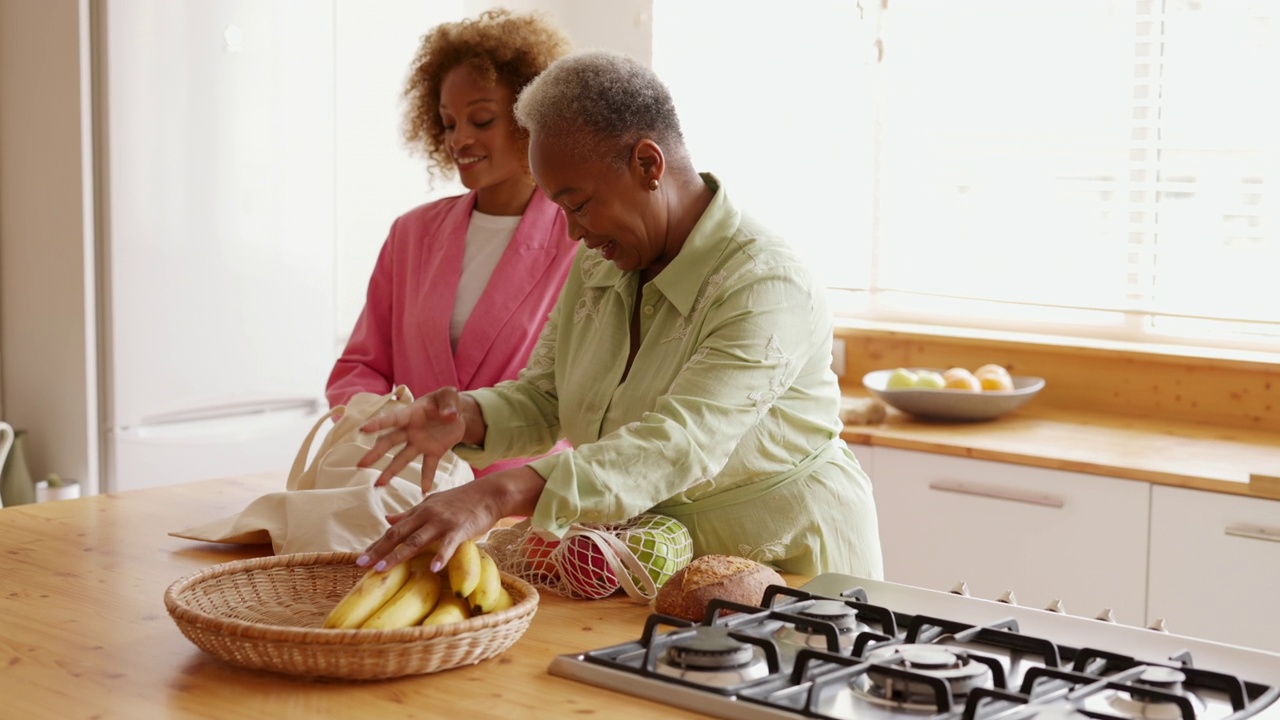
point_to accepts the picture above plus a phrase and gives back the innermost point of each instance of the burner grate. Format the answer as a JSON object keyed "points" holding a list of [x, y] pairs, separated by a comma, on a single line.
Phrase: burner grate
{"points": [[928, 655]]}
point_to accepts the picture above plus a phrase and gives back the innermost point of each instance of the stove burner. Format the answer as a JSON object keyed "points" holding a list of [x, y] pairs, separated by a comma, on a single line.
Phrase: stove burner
{"points": [[709, 656], [1162, 678], [929, 658], [843, 617], [709, 648], [953, 666], [834, 612]]}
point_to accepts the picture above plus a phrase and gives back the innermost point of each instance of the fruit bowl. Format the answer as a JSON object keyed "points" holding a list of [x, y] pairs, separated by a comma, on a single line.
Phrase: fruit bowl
{"points": [[266, 614], [948, 404]]}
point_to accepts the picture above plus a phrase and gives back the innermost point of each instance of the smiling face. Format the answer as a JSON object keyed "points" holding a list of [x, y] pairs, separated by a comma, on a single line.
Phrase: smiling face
{"points": [[607, 206], [481, 136]]}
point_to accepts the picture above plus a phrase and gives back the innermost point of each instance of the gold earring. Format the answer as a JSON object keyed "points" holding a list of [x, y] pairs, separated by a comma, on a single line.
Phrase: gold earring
{"points": [[653, 184]]}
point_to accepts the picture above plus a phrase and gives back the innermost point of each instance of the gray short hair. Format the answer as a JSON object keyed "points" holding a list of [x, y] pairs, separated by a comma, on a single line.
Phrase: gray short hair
{"points": [[611, 98]]}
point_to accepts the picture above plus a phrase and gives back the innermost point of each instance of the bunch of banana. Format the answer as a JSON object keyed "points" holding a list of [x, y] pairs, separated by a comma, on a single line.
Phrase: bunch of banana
{"points": [[411, 594]]}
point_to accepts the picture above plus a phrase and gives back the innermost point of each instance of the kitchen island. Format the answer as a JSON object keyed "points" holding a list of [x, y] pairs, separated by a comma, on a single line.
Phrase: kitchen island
{"points": [[84, 632]]}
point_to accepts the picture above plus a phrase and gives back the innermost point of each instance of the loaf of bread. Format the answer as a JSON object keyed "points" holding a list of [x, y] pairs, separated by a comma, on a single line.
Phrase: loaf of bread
{"points": [[705, 578], [862, 411]]}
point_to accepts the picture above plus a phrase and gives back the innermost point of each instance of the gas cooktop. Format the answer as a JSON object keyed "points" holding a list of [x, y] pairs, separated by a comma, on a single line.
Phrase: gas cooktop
{"points": [[844, 648]]}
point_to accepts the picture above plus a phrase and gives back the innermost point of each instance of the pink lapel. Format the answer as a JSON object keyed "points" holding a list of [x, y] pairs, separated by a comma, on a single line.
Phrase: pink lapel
{"points": [[438, 286], [520, 273]]}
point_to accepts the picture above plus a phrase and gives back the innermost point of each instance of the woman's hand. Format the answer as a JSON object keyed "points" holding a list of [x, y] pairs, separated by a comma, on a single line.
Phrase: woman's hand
{"points": [[430, 427], [444, 519]]}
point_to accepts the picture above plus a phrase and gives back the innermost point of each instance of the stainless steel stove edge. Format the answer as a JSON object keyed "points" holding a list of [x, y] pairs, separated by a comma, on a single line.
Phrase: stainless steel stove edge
{"points": [[575, 667]]}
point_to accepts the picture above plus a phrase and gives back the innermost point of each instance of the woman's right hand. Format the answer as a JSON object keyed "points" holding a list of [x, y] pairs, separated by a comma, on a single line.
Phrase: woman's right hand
{"points": [[429, 427]]}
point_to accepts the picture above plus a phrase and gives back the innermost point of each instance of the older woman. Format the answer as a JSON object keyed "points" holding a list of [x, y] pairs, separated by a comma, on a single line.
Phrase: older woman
{"points": [[687, 360]]}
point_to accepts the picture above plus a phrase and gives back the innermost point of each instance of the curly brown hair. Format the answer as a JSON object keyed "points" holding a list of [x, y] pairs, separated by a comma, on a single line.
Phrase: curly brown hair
{"points": [[502, 47]]}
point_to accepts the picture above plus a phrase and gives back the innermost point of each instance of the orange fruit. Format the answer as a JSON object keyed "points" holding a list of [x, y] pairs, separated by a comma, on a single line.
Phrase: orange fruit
{"points": [[992, 381], [994, 377], [958, 378]]}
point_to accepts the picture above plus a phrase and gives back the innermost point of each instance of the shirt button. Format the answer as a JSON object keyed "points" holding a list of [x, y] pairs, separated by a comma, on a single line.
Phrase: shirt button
{"points": [[562, 520], [648, 309]]}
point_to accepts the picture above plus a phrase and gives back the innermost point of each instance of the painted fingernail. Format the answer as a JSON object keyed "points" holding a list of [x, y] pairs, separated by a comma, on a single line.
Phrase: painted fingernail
{"points": [[436, 565], [382, 565], [363, 561]]}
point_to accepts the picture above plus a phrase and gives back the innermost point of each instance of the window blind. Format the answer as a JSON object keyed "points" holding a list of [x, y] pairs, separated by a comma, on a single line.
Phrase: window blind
{"points": [[1100, 168]]}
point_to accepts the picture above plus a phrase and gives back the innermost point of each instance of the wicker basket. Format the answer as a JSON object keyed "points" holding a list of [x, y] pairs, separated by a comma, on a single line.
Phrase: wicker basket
{"points": [[267, 613]]}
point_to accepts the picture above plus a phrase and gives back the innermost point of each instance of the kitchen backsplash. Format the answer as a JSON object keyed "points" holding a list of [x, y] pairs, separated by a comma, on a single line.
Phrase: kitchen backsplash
{"points": [[1236, 393]]}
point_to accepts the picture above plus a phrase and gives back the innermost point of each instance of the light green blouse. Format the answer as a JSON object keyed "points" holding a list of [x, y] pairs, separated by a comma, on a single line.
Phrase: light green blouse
{"points": [[728, 419]]}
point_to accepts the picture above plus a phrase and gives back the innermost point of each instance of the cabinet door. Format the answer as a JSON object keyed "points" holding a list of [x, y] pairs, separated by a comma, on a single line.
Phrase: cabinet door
{"points": [[1044, 534], [1215, 566]]}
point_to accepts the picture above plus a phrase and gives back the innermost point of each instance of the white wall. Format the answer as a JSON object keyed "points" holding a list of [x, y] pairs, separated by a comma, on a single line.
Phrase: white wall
{"points": [[624, 26], [47, 307]]}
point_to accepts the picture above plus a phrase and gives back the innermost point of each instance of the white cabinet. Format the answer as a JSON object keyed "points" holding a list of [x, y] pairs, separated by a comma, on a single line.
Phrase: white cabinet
{"points": [[1215, 566], [1044, 534]]}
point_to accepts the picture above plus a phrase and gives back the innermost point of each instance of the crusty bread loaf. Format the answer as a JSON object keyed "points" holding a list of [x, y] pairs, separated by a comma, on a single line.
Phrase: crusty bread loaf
{"points": [[731, 578]]}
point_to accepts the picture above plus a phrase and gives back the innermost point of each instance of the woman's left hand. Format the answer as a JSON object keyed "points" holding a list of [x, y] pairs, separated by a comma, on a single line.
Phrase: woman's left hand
{"points": [[444, 519]]}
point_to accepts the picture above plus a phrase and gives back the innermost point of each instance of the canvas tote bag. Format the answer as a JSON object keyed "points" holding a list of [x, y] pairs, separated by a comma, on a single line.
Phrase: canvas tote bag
{"points": [[329, 504]]}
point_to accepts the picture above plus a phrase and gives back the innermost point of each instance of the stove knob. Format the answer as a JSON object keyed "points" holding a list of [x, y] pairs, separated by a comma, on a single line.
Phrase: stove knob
{"points": [[1008, 598], [1106, 615], [961, 588], [1056, 606], [1158, 626]]}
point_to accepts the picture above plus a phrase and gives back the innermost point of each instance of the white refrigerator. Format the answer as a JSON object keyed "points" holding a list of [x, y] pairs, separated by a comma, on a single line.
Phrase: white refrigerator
{"points": [[216, 220]]}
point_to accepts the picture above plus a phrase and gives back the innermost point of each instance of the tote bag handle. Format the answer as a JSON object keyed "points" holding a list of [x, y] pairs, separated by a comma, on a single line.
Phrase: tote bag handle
{"points": [[349, 423], [300, 462]]}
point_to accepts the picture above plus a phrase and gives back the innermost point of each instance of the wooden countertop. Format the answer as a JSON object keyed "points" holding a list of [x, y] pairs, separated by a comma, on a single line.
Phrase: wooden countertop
{"points": [[84, 632], [1227, 460]]}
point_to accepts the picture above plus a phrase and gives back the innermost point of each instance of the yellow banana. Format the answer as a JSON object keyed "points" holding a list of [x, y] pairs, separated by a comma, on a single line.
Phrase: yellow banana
{"points": [[415, 600], [371, 591], [485, 597], [464, 568], [504, 601], [450, 609]]}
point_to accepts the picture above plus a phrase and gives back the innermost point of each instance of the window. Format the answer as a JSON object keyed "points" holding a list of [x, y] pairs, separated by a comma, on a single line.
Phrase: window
{"points": [[1092, 168]]}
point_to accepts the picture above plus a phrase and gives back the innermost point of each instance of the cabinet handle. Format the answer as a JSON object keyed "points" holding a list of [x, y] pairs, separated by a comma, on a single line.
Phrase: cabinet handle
{"points": [[1253, 532], [998, 493]]}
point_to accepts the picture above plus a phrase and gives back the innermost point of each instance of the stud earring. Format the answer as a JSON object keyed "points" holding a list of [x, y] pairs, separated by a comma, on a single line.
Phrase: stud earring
{"points": [[653, 184]]}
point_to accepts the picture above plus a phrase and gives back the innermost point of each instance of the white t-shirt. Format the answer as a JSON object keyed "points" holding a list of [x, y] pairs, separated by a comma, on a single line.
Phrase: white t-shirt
{"points": [[487, 238]]}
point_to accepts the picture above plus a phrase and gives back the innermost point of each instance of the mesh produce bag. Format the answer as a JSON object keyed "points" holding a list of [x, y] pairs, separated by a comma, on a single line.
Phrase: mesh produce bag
{"points": [[595, 560]]}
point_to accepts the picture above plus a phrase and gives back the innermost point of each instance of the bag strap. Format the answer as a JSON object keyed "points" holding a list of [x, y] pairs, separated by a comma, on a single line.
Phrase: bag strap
{"points": [[360, 409], [624, 564], [347, 424], [300, 462]]}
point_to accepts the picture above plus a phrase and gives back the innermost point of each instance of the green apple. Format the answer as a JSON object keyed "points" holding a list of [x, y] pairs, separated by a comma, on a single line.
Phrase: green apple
{"points": [[662, 544], [930, 379], [900, 379]]}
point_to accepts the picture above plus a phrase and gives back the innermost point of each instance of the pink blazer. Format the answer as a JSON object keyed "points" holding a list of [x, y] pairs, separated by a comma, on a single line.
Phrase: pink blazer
{"points": [[402, 335]]}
